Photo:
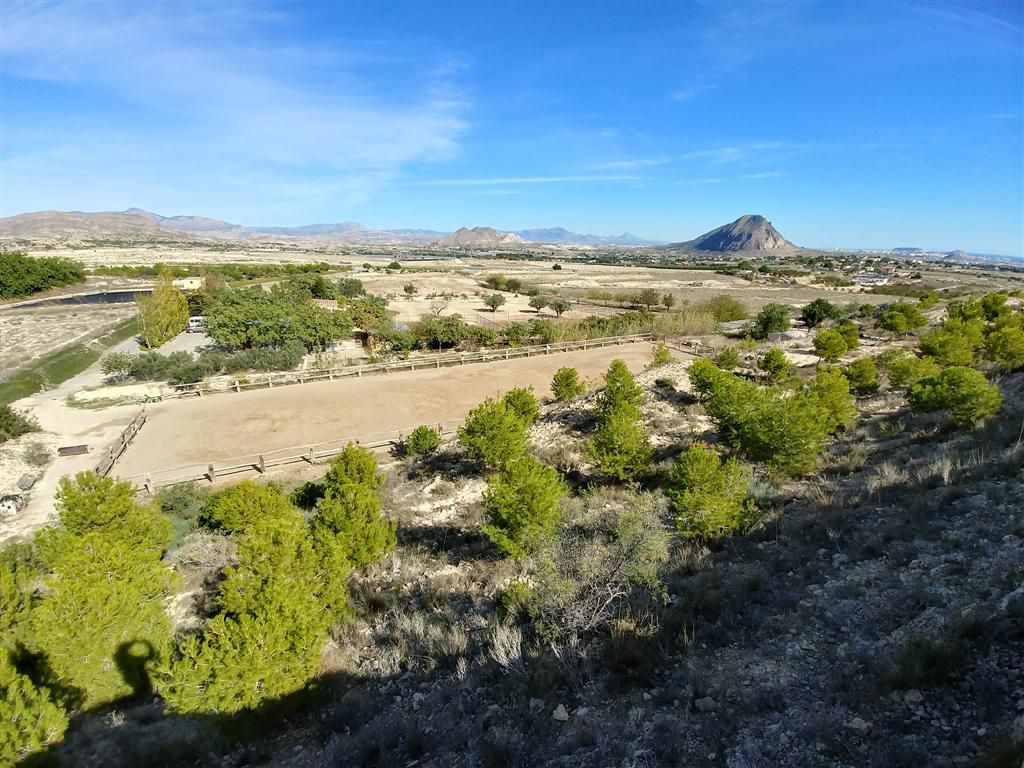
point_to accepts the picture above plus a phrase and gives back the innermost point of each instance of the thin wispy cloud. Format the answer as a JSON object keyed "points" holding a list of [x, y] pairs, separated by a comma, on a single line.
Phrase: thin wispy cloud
{"points": [[692, 92], [630, 164], [736, 152], [472, 182], [764, 175], [237, 101], [696, 182]]}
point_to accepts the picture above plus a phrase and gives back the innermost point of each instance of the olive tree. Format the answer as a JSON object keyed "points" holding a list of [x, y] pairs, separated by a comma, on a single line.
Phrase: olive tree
{"points": [[494, 300]]}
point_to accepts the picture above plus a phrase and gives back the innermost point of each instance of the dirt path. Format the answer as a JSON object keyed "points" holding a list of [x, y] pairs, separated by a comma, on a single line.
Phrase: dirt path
{"points": [[227, 426]]}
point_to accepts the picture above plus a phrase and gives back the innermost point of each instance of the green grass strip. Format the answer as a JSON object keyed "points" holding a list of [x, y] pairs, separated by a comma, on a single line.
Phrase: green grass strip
{"points": [[56, 368]]}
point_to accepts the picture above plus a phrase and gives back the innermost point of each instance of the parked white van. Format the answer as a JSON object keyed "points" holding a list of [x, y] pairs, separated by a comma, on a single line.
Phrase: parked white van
{"points": [[196, 324]]}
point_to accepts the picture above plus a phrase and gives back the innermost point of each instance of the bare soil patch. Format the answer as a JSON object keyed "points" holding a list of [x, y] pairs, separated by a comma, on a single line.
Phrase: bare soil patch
{"points": [[232, 425], [29, 334]]}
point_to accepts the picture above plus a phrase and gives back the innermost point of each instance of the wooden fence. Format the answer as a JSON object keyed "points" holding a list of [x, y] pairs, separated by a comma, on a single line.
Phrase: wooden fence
{"points": [[411, 364], [260, 462], [114, 450]]}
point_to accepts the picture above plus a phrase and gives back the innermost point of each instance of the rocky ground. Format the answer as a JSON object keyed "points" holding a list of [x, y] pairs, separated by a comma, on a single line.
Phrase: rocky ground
{"points": [[874, 617]]}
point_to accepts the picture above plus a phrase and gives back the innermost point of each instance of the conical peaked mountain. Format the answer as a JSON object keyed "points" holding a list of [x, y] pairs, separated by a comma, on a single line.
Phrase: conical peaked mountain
{"points": [[747, 233], [480, 237]]}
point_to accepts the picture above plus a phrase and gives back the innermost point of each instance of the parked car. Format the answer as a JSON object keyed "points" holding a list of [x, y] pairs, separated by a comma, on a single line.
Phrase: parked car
{"points": [[196, 324]]}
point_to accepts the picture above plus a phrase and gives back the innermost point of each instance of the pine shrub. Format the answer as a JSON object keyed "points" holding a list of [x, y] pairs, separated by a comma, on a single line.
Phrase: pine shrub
{"points": [[29, 719], [106, 592], [523, 403], [422, 441], [240, 506], [522, 506], [709, 496], [566, 384], [493, 434], [963, 392]]}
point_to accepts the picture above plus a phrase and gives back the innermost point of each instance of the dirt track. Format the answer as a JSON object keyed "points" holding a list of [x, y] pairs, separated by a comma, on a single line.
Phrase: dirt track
{"points": [[231, 425]]}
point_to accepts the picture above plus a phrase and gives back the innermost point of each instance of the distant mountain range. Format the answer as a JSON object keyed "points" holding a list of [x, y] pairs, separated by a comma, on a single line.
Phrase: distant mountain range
{"points": [[136, 222], [749, 234]]}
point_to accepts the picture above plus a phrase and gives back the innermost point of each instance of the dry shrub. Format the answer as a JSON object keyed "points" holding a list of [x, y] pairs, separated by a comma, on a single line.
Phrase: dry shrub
{"points": [[585, 577], [505, 647], [887, 475]]}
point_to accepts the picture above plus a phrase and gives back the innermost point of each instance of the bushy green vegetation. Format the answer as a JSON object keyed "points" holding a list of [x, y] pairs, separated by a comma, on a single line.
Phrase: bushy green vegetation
{"points": [[348, 517], [955, 342], [494, 434], [422, 441], [863, 376], [963, 393], [102, 626], [850, 332], [785, 429], [522, 506], [902, 318], [727, 359], [724, 308], [184, 367], [773, 318], [774, 364], [29, 718], [22, 275], [829, 345], [493, 301], [287, 589], [244, 319], [15, 424], [566, 384], [709, 496], [818, 311], [243, 505], [266, 641], [163, 314], [661, 356], [1005, 344], [905, 369], [619, 446], [523, 403]]}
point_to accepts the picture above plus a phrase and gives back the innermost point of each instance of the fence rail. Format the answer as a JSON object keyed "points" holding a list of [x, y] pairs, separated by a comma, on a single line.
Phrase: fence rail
{"points": [[113, 451], [434, 361], [260, 462]]}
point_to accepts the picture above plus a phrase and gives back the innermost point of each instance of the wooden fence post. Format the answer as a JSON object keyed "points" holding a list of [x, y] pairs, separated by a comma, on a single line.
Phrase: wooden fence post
{"points": [[263, 465]]}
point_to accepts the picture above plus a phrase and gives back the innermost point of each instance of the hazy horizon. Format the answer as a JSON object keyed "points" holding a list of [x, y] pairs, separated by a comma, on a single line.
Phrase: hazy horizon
{"points": [[847, 125]]}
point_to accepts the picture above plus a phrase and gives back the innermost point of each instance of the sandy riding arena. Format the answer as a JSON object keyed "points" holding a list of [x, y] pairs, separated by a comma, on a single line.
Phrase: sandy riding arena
{"points": [[226, 426]]}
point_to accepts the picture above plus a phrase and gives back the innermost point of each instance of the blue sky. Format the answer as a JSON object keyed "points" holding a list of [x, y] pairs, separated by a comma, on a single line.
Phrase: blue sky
{"points": [[869, 124]]}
